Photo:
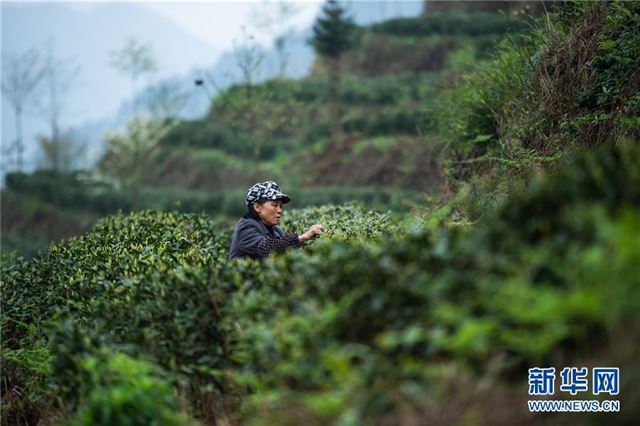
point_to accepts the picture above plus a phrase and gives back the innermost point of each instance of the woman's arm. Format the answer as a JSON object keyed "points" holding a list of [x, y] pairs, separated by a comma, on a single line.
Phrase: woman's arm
{"points": [[267, 245]]}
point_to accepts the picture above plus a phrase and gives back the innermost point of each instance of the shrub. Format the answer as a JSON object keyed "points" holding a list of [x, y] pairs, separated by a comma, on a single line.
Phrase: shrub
{"points": [[151, 283], [125, 391], [472, 24], [80, 189], [342, 222], [346, 327], [372, 197], [385, 122], [203, 134], [570, 83], [353, 326]]}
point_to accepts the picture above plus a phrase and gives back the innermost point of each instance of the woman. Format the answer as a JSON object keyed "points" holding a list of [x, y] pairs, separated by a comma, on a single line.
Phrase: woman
{"points": [[257, 233]]}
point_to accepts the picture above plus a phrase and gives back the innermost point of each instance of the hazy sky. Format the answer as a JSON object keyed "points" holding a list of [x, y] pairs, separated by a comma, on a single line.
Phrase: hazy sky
{"points": [[195, 17]]}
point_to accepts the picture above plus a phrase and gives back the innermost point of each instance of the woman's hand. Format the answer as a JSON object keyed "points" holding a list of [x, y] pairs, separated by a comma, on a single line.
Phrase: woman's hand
{"points": [[311, 233]]}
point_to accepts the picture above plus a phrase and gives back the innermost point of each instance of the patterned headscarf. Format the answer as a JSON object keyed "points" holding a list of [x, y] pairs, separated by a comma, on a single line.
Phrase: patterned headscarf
{"points": [[264, 191]]}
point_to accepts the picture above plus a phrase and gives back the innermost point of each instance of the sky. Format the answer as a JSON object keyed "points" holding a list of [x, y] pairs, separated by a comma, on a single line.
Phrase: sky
{"points": [[194, 17]]}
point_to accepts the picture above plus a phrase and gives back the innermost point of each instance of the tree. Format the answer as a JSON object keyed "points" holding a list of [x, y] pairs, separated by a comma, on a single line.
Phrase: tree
{"points": [[58, 149], [134, 59], [63, 153], [165, 99], [333, 34], [129, 153], [249, 58], [21, 75]]}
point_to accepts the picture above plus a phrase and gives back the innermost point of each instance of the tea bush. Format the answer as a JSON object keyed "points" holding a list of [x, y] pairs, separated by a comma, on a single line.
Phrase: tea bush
{"points": [[343, 222], [388, 122], [153, 282], [354, 90], [384, 122], [351, 327], [472, 24], [125, 391], [80, 189], [204, 134]]}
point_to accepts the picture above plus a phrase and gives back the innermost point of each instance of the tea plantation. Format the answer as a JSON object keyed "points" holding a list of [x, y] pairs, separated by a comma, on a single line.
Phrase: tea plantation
{"points": [[367, 323]]}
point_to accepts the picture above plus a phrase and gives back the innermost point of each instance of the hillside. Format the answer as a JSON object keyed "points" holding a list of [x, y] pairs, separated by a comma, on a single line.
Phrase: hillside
{"points": [[386, 124], [518, 250]]}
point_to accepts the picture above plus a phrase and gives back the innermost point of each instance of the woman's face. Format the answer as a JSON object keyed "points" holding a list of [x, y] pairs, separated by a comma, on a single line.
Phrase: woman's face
{"points": [[269, 212]]}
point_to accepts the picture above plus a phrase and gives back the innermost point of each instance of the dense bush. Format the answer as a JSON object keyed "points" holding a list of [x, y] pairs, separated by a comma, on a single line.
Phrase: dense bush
{"points": [[81, 190], [354, 327], [125, 391], [203, 134], [612, 102], [384, 122], [341, 328], [113, 260], [388, 123], [342, 222], [370, 196], [148, 283], [570, 83], [472, 24], [379, 90]]}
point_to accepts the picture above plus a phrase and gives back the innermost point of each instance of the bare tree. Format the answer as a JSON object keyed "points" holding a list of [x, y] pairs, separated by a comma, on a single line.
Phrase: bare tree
{"points": [[129, 153], [249, 58], [277, 19], [62, 154], [21, 75], [165, 99], [135, 59], [58, 79]]}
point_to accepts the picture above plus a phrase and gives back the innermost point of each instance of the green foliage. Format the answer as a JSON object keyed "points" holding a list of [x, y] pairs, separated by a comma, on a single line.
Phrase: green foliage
{"points": [[150, 283], [471, 24], [387, 90], [125, 391], [469, 116], [362, 324], [342, 328], [112, 262], [613, 98], [352, 325], [80, 190], [388, 122], [333, 31], [570, 83], [342, 222], [379, 90], [202, 134], [129, 154], [618, 56]]}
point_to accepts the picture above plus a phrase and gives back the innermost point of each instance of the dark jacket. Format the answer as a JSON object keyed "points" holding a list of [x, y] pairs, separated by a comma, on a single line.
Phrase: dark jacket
{"points": [[252, 238]]}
